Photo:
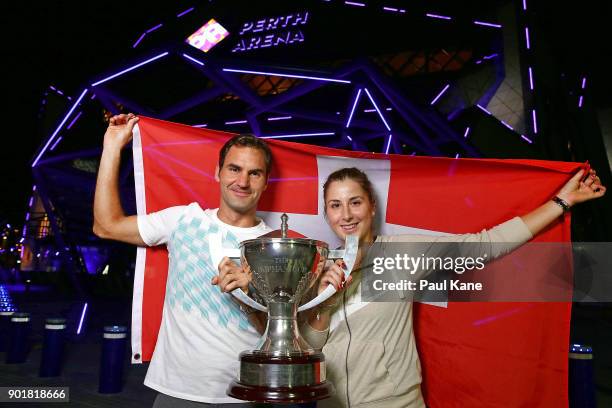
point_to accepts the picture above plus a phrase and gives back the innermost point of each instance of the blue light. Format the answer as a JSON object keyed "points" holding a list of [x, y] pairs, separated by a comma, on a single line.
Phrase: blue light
{"points": [[82, 318], [299, 135], [245, 71], [44, 149], [130, 69], [440, 94], [438, 16], [348, 122], [388, 144], [142, 36], [377, 110], [181, 14], [193, 59], [484, 23]]}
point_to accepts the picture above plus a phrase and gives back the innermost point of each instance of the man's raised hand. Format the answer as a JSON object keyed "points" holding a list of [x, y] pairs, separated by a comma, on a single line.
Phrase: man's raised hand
{"points": [[120, 130]]}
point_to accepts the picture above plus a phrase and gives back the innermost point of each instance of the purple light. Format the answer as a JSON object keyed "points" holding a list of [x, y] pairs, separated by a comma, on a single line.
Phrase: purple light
{"points": [[27, 217], [534, 121], [236, 122], [130, 69], [583, 83], [527, 37], [506, 125], [369, 110], [93, 96], [182, 13], [59, 139], [21, 240], [580, 101], [280, 118], [34, 188], [142, 36], [57, 253], [438, 16], [530, 78], [82, 318], [31, 202], [244, 71], [467, 132], [377, 110], [440, 94], [202, 125], [484, 23], [524, 5], [388, 144], [348, 122], [52, 87], [388, 109], [150, 30], [457, 156], [299, 135], [526, 138], [482, 108], [193, 59], [44, 149], [488, 57], [74, 120], [349, 138], [354, 3], [390, 9]]}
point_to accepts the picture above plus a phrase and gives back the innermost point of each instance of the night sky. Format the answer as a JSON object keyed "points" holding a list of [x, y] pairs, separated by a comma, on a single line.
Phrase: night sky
{"points": [[61, 43], [64, 43]]}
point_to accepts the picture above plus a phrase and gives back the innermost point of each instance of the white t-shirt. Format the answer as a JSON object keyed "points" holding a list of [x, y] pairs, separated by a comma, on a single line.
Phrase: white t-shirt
{"points": [[202, 330]]}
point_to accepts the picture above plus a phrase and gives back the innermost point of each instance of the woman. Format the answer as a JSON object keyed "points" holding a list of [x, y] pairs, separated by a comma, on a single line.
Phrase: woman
{"points": [[365, 339]]}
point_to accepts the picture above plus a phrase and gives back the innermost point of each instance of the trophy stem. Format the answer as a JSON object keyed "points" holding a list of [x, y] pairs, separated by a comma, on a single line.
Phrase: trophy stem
{"points": [[282, 336]]}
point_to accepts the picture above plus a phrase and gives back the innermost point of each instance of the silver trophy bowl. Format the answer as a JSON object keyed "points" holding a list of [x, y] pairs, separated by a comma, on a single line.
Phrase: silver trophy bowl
{"points": [[283, 269]]}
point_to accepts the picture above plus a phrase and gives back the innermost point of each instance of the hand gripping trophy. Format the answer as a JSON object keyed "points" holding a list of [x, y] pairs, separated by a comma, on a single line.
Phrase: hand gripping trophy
{"points": [[284, 367]]}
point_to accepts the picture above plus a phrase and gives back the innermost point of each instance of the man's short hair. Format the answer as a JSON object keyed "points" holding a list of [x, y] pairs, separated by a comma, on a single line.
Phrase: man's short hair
{"points": [[247, 140]]}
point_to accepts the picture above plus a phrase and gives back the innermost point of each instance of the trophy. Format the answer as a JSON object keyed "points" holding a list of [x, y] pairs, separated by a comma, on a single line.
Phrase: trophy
{"points": [[285, 368]]}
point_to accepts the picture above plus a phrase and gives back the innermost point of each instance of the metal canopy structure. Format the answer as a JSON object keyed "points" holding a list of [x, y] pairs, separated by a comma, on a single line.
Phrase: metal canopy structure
{"points": [[404, 99]]}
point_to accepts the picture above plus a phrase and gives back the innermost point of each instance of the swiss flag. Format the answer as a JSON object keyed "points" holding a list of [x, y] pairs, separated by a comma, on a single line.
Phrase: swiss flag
{"points": [[473, 354]]}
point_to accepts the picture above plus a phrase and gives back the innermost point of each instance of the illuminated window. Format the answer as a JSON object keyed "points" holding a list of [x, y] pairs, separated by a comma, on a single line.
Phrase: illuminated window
{"points": [[43, 227]]}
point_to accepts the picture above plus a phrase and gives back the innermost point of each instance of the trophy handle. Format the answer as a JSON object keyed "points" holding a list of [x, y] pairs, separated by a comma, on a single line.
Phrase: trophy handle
{"points": [[349, 256], [244, 298], [217, 252]]}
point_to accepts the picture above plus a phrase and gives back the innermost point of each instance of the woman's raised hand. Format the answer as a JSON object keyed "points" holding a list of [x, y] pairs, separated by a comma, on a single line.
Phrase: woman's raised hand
{"points": [[578, 189]]}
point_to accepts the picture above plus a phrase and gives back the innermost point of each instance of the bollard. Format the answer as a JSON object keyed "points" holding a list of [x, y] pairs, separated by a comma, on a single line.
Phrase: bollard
{"points": [[53, 348], [581, 383], [5, 323], [113, 359], [18, 342]]}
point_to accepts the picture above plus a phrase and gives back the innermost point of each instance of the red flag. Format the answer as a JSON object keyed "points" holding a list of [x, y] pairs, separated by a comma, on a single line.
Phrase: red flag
{"points": [[473, 354]]}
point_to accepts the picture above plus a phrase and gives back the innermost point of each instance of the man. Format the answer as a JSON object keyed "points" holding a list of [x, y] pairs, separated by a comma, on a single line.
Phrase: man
{"points": [[202, 329]]}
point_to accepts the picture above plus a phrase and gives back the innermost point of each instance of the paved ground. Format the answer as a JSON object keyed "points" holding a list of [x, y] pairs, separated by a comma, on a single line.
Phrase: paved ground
{"points": [[82, 355]]}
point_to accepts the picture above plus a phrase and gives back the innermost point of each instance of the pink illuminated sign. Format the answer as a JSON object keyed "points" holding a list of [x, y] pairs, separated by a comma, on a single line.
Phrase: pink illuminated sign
{"points": [[207, 36]]}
